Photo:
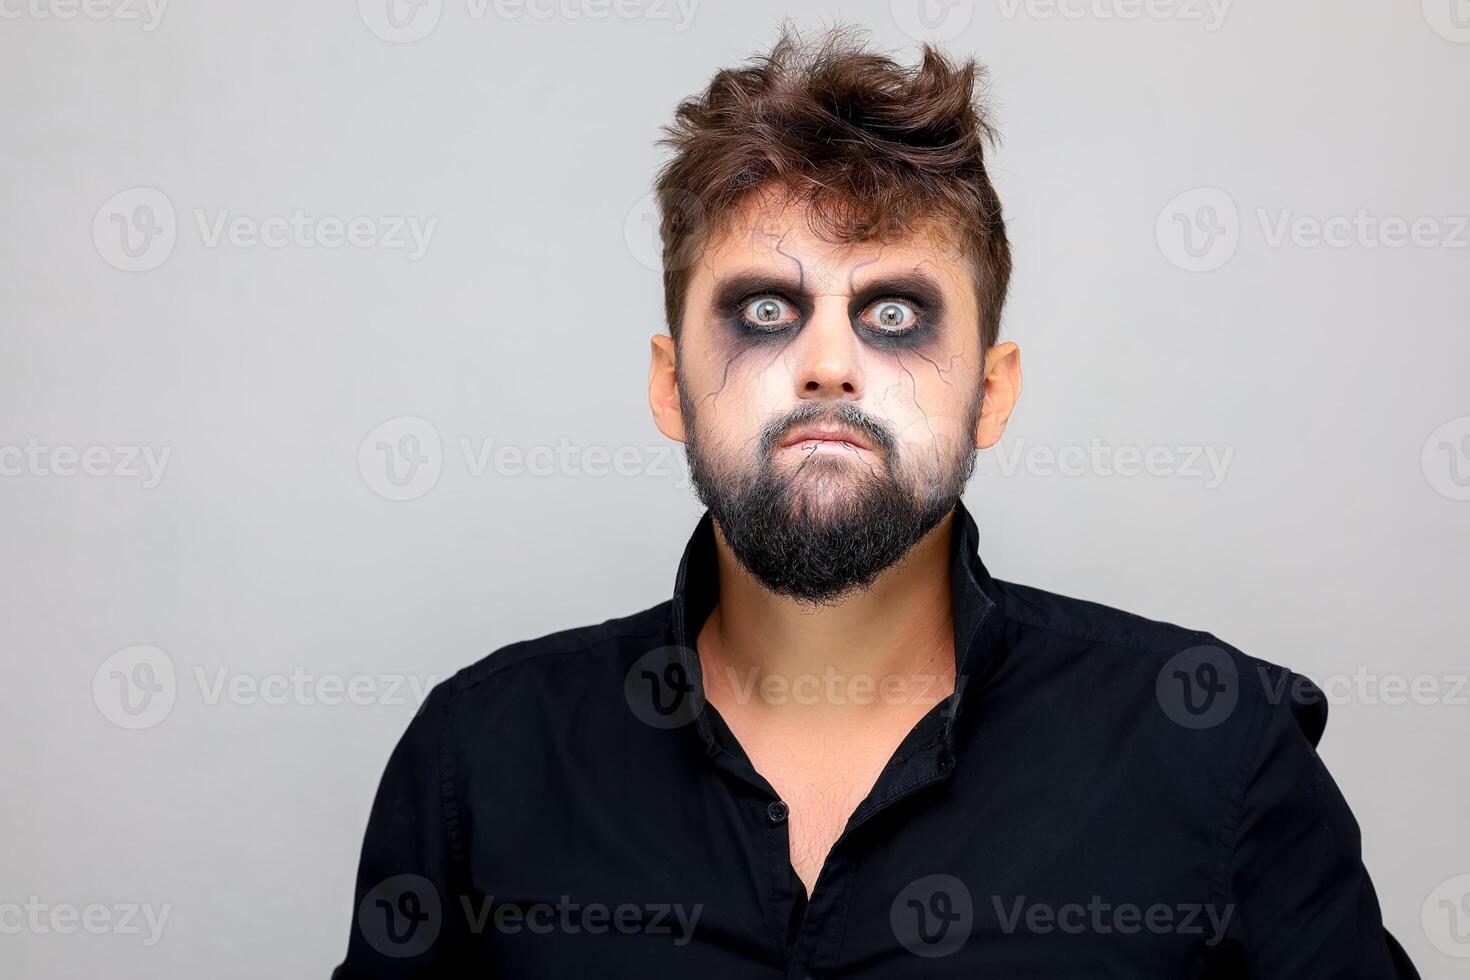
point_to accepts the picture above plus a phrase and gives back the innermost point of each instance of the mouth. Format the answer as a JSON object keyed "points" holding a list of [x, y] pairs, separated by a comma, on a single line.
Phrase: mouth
{"points": [[826, 438]]}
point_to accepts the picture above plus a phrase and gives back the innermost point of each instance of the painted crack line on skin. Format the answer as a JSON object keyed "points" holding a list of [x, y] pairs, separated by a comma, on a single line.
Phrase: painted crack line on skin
{"points": [[812, 452], [922, 410], [851, 288], [725, 375], [800, 269]]}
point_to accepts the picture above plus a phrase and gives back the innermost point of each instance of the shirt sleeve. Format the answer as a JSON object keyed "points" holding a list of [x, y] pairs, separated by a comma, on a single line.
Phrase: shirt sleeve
{"points": [[1304, 906], [404, 916]]}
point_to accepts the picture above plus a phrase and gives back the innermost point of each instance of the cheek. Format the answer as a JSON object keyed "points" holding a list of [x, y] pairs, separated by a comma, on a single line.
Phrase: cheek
{"points": [[738, 389], [927, 412]]}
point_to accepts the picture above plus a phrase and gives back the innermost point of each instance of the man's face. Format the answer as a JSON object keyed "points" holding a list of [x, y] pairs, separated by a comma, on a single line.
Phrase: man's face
{"points": [[829, 395]]}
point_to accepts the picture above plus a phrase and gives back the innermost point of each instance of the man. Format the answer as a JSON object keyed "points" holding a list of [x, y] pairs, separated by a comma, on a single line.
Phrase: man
{"points": [[843, 749]]}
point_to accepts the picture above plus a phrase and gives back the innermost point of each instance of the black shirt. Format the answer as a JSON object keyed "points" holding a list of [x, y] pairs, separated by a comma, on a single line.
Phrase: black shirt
{"points": [[1102, 796]]}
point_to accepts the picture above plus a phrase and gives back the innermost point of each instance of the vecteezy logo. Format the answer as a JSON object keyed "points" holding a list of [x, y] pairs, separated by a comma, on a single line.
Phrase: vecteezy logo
{"points": [[932, 20], [1199, 230], [401, 21], [135, 687], [402, 916], [135, 230], [402, 458], [1198, 687], [1446, 459], [642, 230], [1450, 19], [1446, 917], [933, 916], [640, 233], [659, 690]]}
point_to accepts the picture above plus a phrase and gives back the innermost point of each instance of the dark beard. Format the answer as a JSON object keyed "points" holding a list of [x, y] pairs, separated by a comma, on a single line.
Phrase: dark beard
{"points": [[819, 552]]}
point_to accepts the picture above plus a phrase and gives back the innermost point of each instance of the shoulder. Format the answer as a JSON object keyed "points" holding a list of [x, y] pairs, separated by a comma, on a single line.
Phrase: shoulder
{"points": [[1198, 680], [1066, 618], [577, 643], [553, 667]]}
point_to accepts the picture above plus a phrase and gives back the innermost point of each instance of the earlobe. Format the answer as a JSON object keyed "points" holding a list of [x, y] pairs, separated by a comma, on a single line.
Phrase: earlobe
{"points": [[663, 387], [1002, 389]]}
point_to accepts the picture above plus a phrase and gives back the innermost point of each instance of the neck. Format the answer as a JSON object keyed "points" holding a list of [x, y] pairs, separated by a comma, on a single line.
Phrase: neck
{"points": [[897, 630]]}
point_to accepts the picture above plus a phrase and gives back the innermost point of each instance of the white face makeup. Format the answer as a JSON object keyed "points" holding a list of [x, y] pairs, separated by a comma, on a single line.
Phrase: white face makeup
{"points": [[875, 346]]}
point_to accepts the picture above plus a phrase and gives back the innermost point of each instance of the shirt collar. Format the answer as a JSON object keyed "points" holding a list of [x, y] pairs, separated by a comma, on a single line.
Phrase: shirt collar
{"points": [[973, 597]]}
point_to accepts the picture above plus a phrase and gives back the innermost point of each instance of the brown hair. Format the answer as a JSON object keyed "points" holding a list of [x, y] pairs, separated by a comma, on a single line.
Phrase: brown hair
{"points": [[872, 147]]}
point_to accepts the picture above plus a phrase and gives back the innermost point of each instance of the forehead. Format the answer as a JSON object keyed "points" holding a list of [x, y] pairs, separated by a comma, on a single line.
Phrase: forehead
{"points": [[770, 232]]}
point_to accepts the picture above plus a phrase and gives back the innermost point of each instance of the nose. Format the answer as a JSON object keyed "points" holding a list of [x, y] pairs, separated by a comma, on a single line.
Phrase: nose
{"points": [[830, 364]]}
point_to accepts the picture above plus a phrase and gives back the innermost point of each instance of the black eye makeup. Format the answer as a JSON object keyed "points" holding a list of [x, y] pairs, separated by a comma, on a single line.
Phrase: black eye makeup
{"points": [[894, 313], [768, 314], [895, 317]]}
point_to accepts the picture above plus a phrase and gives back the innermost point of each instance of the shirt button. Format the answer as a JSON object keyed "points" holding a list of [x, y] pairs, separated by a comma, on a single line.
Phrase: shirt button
{"points": [[776, 812]]}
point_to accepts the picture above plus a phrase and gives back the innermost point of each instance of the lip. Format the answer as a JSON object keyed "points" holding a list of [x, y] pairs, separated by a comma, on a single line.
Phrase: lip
{"points": [[825, 433]]}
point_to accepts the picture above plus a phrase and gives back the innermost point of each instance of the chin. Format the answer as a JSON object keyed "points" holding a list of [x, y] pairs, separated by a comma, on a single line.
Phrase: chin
{"points": [[827, 499]]}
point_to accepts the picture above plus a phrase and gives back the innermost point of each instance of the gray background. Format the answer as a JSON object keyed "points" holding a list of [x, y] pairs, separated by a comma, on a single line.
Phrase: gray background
{"points": [[1332, 375]]}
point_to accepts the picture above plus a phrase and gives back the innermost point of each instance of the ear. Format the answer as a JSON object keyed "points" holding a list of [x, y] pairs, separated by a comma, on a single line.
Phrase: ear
{"points": [[1002, 389], [663, 387]]}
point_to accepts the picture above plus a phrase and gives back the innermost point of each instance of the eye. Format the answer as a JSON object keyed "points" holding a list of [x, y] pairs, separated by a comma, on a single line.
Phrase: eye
{"points": [[768, 313], [892, 316]]}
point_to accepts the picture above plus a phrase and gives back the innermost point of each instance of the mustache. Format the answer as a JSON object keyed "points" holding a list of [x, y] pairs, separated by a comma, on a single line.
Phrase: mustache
{"points": [[838, 413]]}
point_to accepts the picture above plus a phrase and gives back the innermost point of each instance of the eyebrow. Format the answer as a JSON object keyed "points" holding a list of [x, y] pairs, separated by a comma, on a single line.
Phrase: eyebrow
{"points": [[748, 282]]}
